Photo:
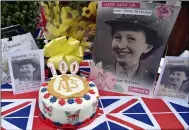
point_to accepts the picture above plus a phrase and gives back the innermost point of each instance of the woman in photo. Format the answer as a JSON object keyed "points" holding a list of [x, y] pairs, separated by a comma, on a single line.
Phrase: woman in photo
{"points": [[178, 76], [133, 40], [27, 68]]}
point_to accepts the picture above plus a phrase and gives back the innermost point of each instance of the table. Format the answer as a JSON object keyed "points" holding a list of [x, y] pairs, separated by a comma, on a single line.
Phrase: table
{"points": [[117, 112]]}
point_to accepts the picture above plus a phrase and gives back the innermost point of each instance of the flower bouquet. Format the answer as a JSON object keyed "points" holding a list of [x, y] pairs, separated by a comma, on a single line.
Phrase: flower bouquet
{"points": [[70, 28], [60, 18]]}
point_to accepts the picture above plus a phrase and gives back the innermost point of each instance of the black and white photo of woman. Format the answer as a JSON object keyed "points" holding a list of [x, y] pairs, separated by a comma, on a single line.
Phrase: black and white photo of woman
{"points": [[132, 40]]}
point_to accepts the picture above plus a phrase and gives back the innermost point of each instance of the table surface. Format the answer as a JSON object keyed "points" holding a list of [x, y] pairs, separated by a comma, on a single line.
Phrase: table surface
{"points": [[117, 112]]}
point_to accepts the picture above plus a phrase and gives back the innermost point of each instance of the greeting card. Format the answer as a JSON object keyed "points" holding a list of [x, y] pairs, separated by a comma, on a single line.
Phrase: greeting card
{"points": [[130, 41]]}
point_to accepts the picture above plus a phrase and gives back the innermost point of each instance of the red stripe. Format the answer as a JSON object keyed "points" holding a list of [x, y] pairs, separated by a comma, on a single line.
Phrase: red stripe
{"points": [[124, 122], [14, 108], [2, 128], [9, 95], [108, 93], [156, 105], [125, 105], [168, 121], [84, 63], [38, 124], [41, 33], [100, 111]]}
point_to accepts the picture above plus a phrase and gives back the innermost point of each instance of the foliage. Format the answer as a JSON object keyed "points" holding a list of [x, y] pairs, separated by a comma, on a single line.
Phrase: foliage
{"points": [[24, 13]]}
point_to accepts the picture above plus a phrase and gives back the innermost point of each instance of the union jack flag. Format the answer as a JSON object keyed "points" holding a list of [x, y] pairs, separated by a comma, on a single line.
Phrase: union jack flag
{"points": [[17, 114], [116, 112], [84, 68], [129, 112]]}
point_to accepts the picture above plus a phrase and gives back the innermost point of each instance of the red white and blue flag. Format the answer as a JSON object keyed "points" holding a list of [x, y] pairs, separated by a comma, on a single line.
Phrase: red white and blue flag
{"points": [[17, 114], [84, 68], [129, 112], [117, 112]]}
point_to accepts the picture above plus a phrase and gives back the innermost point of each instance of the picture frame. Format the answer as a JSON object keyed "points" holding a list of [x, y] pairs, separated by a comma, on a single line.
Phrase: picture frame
{"points": [[173, 82], [26, 70]]}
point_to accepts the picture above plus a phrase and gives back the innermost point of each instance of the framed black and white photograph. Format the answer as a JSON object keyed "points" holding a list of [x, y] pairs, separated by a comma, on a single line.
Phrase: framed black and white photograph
{"points": [[130, 40], [17, 43], [174, 78], [26, 70]]}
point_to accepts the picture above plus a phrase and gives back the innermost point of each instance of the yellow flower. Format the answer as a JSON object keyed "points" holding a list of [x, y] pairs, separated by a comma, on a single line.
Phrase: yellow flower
{"points": [[79, 30], [56, 23], [55, 31], [67, 14], [89, 32], [86, 12], [93, 7], [92, 27]]}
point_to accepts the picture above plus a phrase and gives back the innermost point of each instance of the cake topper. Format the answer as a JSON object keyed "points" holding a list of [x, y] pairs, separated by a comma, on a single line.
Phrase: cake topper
{"points": [[63, 68], [51, 66]]}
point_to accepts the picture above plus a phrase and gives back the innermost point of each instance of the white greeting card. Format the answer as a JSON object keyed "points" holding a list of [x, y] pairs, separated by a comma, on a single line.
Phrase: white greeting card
{"points": [[173, 82], [26, 70], [18, 43]]}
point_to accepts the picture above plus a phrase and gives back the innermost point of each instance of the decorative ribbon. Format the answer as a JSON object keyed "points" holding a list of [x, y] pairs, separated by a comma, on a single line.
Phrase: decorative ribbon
{"points": [[65, 49]]}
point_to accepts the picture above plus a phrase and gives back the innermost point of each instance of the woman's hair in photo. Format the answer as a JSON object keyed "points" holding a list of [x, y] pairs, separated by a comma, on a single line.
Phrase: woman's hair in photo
{"points": [[152, 37]]}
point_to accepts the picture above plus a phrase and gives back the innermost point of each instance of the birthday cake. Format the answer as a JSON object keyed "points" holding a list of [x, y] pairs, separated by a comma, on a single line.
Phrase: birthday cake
{"points": [[68, 100]]}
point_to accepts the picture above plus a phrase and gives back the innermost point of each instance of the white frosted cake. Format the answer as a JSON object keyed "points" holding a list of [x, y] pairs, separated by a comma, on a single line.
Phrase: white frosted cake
{"points": [[68, 99]]}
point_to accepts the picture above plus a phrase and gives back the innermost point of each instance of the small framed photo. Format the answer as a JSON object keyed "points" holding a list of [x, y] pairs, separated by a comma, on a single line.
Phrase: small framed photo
{"points": [[174, 79], [26, 70]]}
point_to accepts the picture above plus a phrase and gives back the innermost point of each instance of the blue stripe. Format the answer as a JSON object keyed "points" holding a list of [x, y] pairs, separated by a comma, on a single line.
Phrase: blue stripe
{"points": [[6, 86], [85, 69]]}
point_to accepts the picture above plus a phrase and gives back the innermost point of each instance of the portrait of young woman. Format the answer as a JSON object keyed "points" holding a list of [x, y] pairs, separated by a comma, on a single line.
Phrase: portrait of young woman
{"points": [[132, 41]]}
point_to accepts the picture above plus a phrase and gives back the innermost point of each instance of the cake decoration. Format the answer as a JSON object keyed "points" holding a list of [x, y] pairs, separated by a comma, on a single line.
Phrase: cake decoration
{"points": [[53, 99], [47, 110], [63, 68], [91, 85], [68, 100], [47, 95], [72, 118], [91, 91], [68, 86], [52, 68], [44, 84], [95, 105], [87, 97], [78, 100], [62, 102], [74, 67], [43, 90]]}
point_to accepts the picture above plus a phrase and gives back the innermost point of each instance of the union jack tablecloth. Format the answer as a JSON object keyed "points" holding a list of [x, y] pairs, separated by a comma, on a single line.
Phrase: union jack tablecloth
{"points": [[117, 112]]}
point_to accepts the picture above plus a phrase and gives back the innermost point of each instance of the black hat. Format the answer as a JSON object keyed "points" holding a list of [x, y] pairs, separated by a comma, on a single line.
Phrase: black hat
{"points": [[138, 23], [128, 20], [27, 61], [179, 68]]}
